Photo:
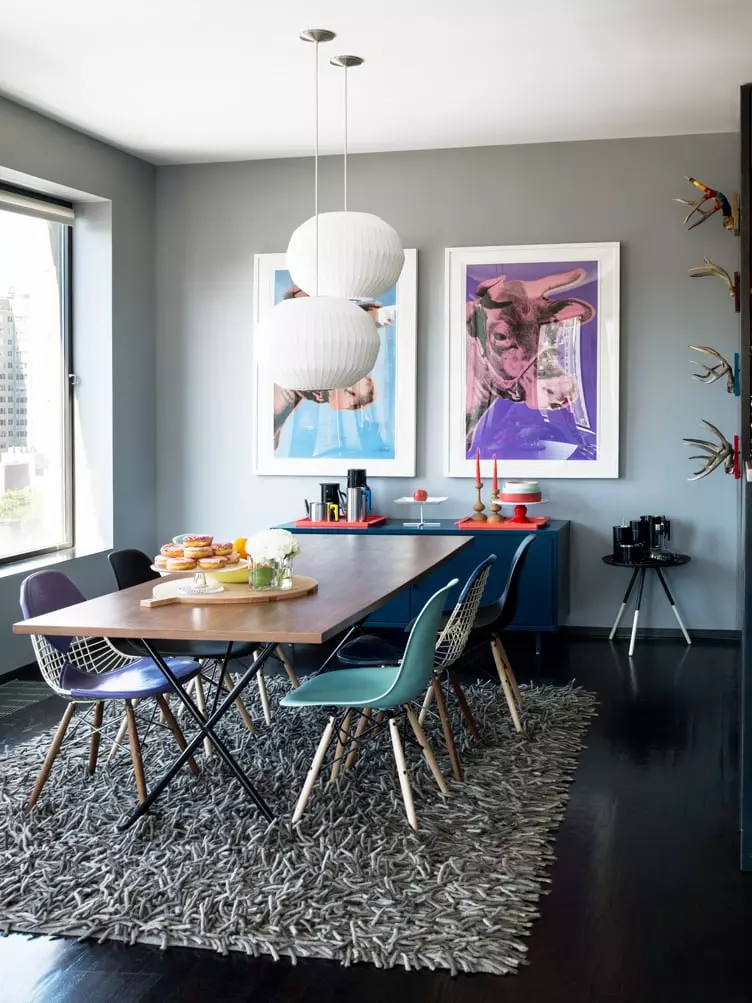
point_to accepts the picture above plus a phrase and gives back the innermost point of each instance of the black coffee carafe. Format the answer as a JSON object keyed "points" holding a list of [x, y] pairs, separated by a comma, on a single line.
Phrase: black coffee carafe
{"points": [[334, 501]]}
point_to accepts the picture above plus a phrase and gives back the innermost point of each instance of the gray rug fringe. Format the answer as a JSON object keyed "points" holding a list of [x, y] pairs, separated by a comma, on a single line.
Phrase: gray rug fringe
{"points": [[352, 883]]}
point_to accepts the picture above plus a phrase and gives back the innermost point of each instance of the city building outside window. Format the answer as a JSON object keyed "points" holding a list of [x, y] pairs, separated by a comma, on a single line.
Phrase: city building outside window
{"points": [[35, 451]]}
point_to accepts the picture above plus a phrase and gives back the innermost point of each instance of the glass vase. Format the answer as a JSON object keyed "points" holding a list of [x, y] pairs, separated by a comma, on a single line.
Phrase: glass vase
{"points": [[265, 576]]}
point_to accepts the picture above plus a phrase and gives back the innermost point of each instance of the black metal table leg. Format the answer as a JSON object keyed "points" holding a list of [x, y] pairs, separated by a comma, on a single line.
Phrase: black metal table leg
{"points": [[206, 728], [624, 602], [222, 673], [672, 603]]}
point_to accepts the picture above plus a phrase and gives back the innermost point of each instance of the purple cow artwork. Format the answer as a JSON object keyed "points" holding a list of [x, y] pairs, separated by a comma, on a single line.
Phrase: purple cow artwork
{"points": [[532, 360]]}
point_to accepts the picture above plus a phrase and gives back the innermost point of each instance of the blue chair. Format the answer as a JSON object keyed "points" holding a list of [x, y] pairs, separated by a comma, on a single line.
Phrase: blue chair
{"points": [[494, 617], [370, 651], [387, 689], [91, 670]]}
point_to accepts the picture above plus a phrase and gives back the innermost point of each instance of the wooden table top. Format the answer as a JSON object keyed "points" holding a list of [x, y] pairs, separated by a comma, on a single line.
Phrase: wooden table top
{"points": [[356, 575]]}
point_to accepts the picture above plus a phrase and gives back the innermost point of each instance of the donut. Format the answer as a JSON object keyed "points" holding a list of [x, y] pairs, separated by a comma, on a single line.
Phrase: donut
{"points": [[197, 540], [195, 553], [222, 549], [180, 564], [233, 557], [212, 563], [160, 561], [172, 550]]}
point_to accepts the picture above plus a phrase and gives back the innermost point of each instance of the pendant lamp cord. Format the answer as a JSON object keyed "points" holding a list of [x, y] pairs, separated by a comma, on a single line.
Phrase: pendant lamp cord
{"points": [[316, 161], [345, 157]]}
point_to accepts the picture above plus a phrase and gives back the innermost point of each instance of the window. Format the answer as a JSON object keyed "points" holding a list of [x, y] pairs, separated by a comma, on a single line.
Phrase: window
{"points": [[35, 452]]}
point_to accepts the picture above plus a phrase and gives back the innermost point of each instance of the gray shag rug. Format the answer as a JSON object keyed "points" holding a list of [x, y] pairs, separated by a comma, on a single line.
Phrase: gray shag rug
{"points": [[352, 883]]}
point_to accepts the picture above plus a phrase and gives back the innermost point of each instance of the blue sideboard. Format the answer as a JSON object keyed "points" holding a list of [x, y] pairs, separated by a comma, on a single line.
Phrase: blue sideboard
{"points": [[544, 589]]}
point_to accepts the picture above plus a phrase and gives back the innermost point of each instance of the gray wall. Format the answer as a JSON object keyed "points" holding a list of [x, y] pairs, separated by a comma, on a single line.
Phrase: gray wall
{"points": [[212, 218], [37, 147]]}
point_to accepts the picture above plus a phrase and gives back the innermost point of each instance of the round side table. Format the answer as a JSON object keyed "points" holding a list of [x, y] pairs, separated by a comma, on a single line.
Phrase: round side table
{"points": [[638, 572]]}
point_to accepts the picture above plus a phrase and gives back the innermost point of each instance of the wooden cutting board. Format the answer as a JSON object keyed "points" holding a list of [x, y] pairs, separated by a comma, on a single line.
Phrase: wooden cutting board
{"points": [[166, 593]]}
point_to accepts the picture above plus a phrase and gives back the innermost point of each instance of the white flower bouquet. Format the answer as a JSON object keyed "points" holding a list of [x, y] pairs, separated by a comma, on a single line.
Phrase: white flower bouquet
{"points": [[271, 553]]}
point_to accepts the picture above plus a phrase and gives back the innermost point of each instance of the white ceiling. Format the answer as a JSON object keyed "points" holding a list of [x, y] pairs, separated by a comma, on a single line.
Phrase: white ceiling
{"points": [[194, 80]]}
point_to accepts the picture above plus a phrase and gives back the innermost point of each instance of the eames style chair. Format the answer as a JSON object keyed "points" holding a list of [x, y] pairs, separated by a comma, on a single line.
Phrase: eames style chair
{"points": [[388, 690], [85, 670], [495, 617], [133, 567], [457, 625]]}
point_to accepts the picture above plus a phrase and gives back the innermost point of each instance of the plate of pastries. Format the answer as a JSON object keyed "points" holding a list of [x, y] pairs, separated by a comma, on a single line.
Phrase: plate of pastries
{"points": [[197, 552]]}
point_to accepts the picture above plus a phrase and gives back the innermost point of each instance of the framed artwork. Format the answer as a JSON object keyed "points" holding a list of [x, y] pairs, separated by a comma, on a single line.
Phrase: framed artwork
{"points": [[371, 424], [534, 359]]}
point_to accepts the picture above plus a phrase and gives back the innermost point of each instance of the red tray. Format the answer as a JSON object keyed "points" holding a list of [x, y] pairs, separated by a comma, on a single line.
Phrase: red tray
{"points": [[533, 522], [372, 520]]}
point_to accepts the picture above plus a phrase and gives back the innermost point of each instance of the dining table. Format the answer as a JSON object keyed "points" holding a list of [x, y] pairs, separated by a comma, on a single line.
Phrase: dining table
{"points": [[355, 573]]}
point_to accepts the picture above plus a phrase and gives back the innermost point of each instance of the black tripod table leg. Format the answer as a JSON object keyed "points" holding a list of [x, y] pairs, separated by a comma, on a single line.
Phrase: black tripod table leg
{"points": [[641, 586], [624, 602]]}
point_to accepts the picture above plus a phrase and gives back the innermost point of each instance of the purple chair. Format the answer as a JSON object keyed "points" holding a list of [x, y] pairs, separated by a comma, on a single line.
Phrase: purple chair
{"points": [[91, 670]]}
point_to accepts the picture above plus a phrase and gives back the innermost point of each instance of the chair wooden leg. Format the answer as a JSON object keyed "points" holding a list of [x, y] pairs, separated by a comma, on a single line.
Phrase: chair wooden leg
{"points": [[174, 727], [279, 651], [239, 705], [427, 750], [342, 737], [138, 763], [96, 723], [508, 692], [399, 758], [361, 727], [464, 706], [264, 694], [313, 773], [379, 723], [446, 727], [510, 672], [120, 735], [51, 756], [200, 697], [427, 701]]}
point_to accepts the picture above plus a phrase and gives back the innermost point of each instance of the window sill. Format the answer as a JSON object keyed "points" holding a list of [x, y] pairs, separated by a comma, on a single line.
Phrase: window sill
{"points": [[28, 566]]}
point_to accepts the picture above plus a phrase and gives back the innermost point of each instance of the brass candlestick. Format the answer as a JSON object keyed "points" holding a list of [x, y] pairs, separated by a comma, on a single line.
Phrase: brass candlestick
{"points": [[478, 506], [495, 508]]}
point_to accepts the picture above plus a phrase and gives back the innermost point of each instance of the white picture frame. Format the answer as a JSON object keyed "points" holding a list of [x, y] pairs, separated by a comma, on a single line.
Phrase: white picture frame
{"points": [[463, 265], [401, 417]]}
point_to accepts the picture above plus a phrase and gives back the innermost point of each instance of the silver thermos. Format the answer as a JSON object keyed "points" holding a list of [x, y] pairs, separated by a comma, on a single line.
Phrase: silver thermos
{"points": [[356, 505]]}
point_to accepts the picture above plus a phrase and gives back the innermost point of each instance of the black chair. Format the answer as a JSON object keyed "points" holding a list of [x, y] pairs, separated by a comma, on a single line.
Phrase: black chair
{"points": [[494, 617]]}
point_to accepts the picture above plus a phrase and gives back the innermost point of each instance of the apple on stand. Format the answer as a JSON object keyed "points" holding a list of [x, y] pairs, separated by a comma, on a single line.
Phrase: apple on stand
{"points": [[420, 495]]}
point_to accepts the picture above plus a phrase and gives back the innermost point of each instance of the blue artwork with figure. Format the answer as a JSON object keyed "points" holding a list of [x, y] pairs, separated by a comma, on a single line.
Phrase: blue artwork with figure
{"points": [[356, 423]]}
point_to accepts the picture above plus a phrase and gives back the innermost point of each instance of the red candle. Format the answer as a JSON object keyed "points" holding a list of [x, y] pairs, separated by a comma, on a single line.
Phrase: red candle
{"points": [[495, 475], [477, 467]]}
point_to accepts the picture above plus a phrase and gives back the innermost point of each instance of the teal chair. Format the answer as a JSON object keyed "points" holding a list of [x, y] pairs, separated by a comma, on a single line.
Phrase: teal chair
{"points": [[387, 689]]}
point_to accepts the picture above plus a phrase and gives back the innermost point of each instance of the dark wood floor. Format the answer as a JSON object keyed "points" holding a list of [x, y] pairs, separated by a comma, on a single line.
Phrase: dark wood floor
{"points": [[647, 902]]}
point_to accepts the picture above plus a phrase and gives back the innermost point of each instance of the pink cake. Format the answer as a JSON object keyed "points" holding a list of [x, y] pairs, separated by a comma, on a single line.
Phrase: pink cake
{"points": [[520, 492]]}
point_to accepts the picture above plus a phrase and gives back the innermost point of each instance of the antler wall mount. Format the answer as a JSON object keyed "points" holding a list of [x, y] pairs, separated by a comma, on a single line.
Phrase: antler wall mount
{"points": [[729, 209], [710, 268], [715, 454], [716, 372]]}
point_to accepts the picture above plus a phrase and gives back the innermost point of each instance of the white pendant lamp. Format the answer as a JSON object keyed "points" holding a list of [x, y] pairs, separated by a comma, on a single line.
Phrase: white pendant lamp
{"points": [[317, 342], [320, 343], [359, 255]]}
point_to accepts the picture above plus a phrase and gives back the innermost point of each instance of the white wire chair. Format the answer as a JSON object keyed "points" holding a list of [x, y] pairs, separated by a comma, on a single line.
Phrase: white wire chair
{"points": [[450, 645]]}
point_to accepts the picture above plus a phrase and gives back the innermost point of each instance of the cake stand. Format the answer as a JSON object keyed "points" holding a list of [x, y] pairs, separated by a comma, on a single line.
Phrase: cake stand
{"points": [[520, 517], [421, 524]]}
